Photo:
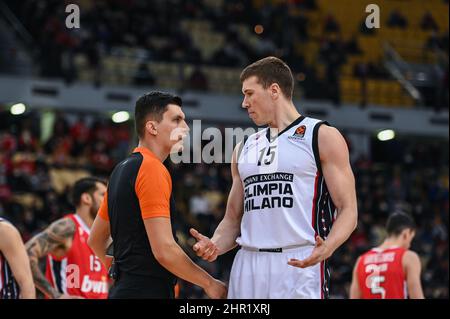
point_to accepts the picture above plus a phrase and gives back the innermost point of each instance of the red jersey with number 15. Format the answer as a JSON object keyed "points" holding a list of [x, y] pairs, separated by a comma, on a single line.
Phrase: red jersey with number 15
{"points": [[80, 272], [381, 275]]}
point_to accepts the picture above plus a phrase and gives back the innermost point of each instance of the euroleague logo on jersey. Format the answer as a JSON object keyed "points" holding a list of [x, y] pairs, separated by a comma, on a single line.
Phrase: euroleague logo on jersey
{"points": [[299, 133]]}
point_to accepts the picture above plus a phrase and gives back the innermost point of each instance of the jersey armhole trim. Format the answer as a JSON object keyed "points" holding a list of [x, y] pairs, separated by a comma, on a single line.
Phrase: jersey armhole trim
{"points": [[315, 144], [241, 147]]}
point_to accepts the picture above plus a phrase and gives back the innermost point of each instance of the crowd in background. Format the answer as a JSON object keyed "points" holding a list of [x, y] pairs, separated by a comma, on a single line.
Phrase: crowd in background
{"points": [[154, 29], [38, 166]]}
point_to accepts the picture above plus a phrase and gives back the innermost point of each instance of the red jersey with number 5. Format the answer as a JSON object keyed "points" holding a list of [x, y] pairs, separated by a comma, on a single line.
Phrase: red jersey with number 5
{"points": [[80, 272], [380, 274]]}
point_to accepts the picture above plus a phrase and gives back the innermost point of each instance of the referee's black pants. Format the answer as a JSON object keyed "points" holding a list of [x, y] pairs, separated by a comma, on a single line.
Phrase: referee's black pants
{"points": [[129, 286]]}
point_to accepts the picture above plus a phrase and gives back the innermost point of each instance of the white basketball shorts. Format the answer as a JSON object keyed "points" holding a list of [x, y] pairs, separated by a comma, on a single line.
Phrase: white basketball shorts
{"points": [[266, 275]]}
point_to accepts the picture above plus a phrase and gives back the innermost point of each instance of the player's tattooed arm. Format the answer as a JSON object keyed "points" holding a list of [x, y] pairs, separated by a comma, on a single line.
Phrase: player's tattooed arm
{"points": [[56, 236]]}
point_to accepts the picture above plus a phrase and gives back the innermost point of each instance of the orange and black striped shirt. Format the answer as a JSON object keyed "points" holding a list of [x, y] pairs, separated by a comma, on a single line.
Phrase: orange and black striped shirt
{"points": [[139, 187]]}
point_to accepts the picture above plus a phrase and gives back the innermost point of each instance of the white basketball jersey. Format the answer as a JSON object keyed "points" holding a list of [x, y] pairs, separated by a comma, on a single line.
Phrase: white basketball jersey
{"points": [[286, 200]]}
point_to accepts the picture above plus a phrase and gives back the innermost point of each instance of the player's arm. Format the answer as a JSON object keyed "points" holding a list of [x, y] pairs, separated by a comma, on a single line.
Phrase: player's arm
{"points": [[13, 249], [54, 237], [229, 228], [100, 236], [170, 255], [335, 162], [224, 238], [355, 291], [412, 267]]}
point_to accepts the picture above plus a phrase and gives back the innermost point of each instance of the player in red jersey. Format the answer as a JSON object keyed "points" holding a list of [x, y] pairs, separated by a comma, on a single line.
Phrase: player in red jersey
{"points": [[391, 270], [73, 270]]}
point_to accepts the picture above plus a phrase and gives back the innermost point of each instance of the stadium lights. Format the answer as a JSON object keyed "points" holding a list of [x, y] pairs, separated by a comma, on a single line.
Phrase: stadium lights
{"points": [[259, 29], [301, 77], [386, 135], [120, 117], [18, 108]]}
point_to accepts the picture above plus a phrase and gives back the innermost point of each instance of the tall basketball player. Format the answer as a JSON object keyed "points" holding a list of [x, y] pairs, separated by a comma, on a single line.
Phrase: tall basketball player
{"points": [[391, 270], [73, 270], [292, 182], [16, 280]]}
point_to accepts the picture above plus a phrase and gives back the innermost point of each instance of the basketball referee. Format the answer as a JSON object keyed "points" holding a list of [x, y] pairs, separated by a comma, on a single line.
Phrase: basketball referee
{"points": [[136, 211]]}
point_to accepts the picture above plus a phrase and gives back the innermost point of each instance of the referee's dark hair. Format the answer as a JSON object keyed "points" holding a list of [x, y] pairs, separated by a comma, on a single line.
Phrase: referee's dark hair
{"points": [[153, 104], [399, 221], [84, 185]]}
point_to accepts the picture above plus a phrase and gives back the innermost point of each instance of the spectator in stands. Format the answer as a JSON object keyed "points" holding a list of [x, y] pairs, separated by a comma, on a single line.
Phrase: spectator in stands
{"points": [[333, 54], [364, 29], [143, 76], [352, 46], [397, 19], [331, 24], [300, 21], [306, 4], [197, 80], [361, 71], [428, 23], [265, 46], [434, 42]]}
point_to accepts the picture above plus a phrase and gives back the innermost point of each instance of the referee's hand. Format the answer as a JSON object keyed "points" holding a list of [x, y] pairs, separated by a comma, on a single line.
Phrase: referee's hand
{"points": [[204, 247]]}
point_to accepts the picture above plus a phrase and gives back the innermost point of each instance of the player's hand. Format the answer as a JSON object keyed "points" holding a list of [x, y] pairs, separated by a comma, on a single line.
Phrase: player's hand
{"points": [[204, 247], [66, 296], [216, 290], [320, 252]]}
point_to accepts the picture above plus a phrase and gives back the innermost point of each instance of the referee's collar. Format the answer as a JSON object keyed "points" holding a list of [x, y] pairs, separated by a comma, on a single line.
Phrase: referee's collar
{"points": [[144, 150]]}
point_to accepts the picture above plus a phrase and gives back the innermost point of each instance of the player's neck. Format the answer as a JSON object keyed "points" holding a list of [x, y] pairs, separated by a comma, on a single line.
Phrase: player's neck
{"points": [[390, 243], [285, 114], [155, 148], [85, 216]]}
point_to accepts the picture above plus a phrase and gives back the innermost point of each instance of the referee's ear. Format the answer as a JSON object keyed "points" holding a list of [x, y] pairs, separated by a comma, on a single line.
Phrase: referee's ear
{"points": [[150, 127]]}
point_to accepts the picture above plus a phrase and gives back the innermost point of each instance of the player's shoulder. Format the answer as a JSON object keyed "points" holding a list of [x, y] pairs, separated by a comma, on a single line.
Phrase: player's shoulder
{"points": [[248, 140], [330, 140], [410, 255], [63, 226], [327, 131], [323, 131], [6, 227], [3, 221], [255, 136], [8, 232]]}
